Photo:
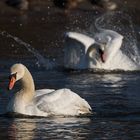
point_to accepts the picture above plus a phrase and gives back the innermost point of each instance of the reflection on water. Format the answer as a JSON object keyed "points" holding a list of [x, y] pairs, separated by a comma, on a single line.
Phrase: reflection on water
{"points": [[75, 128], [57, 128], [21, 129]]}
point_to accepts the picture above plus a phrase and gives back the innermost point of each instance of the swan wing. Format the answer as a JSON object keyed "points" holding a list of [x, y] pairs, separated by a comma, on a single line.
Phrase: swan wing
{"points": [[63, 102], [43, 91], [73, 53], [84, 39], [76, 46]]}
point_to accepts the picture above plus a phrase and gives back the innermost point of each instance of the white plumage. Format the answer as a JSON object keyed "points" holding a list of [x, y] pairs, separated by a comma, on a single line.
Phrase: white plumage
{"points": [[81, 52], [45, 102]]}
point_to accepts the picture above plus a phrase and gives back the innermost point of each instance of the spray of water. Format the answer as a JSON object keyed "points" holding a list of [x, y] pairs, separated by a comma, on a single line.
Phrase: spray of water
{"points": [[121, 23], [46, 63]]}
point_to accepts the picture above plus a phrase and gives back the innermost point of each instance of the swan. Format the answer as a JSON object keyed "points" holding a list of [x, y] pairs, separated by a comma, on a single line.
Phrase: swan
{"points": [[43, 102], [113, 57], [101, 52], [75, 49]]}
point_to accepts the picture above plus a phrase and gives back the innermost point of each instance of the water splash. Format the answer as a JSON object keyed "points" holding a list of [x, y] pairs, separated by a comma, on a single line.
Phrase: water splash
{"points": [[121, 23], [46, 63]]}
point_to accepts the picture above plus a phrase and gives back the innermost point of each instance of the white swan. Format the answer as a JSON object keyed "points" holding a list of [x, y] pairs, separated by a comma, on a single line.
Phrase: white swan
{"points": [[82, 52], [43, 102], [76, 46], [114, 58]]}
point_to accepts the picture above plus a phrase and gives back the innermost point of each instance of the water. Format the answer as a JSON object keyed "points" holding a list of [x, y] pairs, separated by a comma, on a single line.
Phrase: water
{"points": [[46, 63], [114, 97]]}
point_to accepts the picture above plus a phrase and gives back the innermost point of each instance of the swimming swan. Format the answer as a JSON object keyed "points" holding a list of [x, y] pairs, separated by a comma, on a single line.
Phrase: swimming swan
{"points": [[44, 102]]}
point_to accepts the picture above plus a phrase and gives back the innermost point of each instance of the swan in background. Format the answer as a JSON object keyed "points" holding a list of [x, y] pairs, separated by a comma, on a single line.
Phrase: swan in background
{"points": [[113, 57], [101, 52], [44, 102], [75, 50]]}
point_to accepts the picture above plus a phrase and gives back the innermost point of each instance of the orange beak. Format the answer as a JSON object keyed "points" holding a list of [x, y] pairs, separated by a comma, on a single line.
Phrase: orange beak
{"points": [[12, 82]]}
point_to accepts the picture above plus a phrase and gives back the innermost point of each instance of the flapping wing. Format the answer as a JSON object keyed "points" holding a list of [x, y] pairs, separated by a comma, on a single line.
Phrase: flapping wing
{"points": [[76, 46]]}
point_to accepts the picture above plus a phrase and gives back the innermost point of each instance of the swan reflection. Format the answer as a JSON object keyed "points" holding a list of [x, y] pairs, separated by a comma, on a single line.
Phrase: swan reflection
{"points": [[43, 128], [22, 129]]}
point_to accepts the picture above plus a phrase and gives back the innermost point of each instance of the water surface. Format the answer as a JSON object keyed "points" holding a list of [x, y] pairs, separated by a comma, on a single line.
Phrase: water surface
{"points": [[114, 97]]}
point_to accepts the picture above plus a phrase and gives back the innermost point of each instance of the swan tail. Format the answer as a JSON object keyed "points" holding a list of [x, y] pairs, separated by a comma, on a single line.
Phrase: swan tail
{"points": [[85, 108]]}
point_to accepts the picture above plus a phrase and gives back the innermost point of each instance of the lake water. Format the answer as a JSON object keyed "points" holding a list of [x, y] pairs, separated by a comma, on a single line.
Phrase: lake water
{"points": [[114, 97]]}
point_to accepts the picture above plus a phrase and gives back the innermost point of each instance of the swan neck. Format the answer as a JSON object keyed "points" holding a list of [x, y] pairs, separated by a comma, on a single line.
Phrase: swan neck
{"points": [[27, 82]]}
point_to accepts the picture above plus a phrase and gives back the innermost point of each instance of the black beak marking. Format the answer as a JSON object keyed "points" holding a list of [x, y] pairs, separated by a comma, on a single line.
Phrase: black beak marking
{"points": [[13, 75]]}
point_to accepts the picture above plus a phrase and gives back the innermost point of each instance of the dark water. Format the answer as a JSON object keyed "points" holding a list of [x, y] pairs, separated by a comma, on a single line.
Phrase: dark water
{"points": [[115, 100], [114, 97]]}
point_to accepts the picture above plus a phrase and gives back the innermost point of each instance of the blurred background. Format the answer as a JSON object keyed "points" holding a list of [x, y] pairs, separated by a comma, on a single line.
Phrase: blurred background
{"points": [[43, 23]]}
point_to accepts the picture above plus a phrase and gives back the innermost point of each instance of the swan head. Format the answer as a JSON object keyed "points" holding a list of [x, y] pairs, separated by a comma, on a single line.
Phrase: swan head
{"points": [[16, 73]]}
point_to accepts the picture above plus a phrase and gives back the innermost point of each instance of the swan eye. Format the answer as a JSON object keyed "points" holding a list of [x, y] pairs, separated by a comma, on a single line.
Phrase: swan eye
{"points": [[13, 75]]}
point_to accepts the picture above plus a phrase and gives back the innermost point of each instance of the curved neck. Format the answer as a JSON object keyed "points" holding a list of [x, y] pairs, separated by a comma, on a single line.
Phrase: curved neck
{"points": [[28, 87]]}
